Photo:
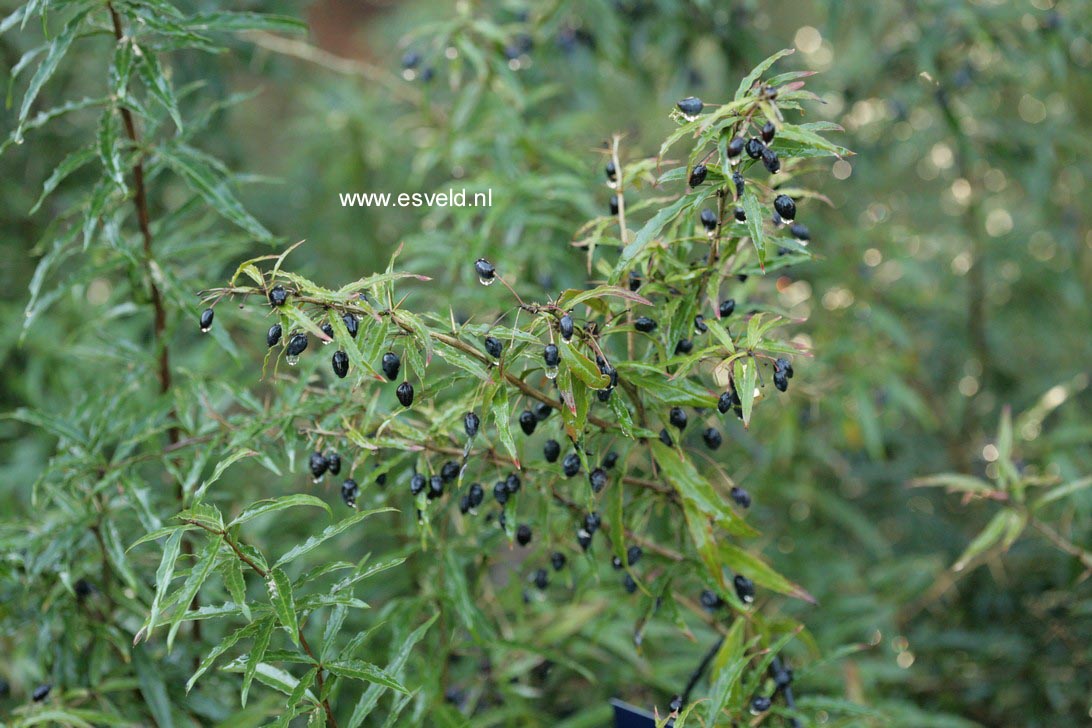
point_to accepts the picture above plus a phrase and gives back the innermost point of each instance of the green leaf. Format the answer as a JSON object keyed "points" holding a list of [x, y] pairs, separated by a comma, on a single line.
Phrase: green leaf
{"points": [[329, 532], [159, 533], [272, 505], [224, 645], [728, 666], [745, 374], [650, 230], [254, 657], [370, 698], [989, 537], [749, 80], [583, 367], [760, 572], [198, 575], [163, 577], [110, 149], [1061, 491], [572, 297], [68, 165], [152, 687], [280, 594], [756, 219], [499, 409], [360, 670], [691, 486], [233, 22], [57, 50], [219, 470], [236, 584], [159, 86], [199, 175]]}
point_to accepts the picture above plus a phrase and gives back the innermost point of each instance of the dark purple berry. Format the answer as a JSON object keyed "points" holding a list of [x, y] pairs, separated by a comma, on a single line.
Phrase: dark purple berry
{"points": [[685, 346], [333, 463], [708, 219], [411, 59], [739, 214], [629, 584], [768, 131], [584, 538], [735, 149], [349, 492], [724, 403], [565, 325], [493, 347], [598, 479], [391, 365], [677, 417], [800, 231], [541, 579], [328, 329], [404, 394], [486, 271], [449, 471], [551, 451], [665, 437], [351, 324], [550, 355], [340, 363], [610, 460], [206, 319], [83, 589], [417, 484], [691, 106], [760, 704], [784, 365], [513, 483], [475, 495], [781, 381], [317, 465], [614, 204], [711, 600], [754, 148], [435, 487], [612, 171], [296, 344], [645, 325], [741, 497], [557, 560], [471, 423], [41, 692], [785, 207], [571, 464], [770, 160], [634, 554], [500, 492], [712, 438], [737, 180], [727, 307], [697, 175], [592, 521], [699, 324], [634, 281], [527, 421], [278, 296], [464, 504], [543, 411], [523, 534], [273, 336], [745, 588]]}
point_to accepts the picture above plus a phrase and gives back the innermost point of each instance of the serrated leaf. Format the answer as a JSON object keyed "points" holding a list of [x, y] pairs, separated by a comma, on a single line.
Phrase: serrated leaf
{"points": [[572, 297], [749, 80], [200, 176], [219, 471], [163, 576], [987, 538], [159, 86], [198, 575], [329, 532], [745, 374], [236, 584], [499, 410], [371, 696], [280, 595], [223, 646], [152, 687], [272, 505], [761, 573], [254, 657], [57, 50], [756, 219], [583, 367], [361, 670], [691, 486], [68, 165]]}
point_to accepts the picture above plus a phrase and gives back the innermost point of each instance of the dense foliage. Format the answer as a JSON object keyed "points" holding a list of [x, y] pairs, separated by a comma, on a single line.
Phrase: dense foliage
{"points": [[633, 469]]}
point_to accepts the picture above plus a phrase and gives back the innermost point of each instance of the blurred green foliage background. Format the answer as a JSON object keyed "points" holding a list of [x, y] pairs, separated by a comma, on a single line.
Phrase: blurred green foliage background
{"points": [[952, 279]]}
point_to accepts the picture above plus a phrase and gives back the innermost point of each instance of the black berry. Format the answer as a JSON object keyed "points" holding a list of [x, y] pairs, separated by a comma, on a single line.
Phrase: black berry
{"points": [[83, 589], [745, 588], [634, 554], [475, 495], [754, 148], [739, 214], [328, 329], [691, 106], [677, 417], [800, 231], [768, 131], [735, 149], [737, 180], [760, 704], [675, 705], [665, 437], [435, 487], [500, 492], [513, 483], [610, 460], [278, 296], [551, 451], [781, 381], [611, 171], [697, 175], [340, 363], [349, 492], [712, 438], [727, 307], [592, 521], [493, 347], [351, 324], [708, 219], [405, 394], [464, 504], [543, 411], [333, 463], [273, 336], [770, 160], [699, 324], [550, 355], [741, 497], [629, 584], [557, 560], [711, 600], [206, 319], [411, 59], [471, 423], [391, 365], [598, 479], [417, 484], [296, 344], [584, 538], [616, 562], [685, 346], [41, 693], [541, 578], [724, 403], [317, 464], [523, 534], [784, 365], [645, 325], [571, 464], [565, 326], [486, 271], [527, 421], [381, 480], [449, 471], [614, 204], [634, 281], [785, 207]]}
